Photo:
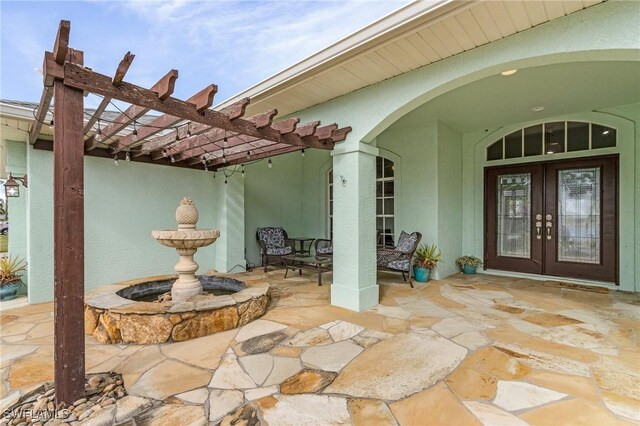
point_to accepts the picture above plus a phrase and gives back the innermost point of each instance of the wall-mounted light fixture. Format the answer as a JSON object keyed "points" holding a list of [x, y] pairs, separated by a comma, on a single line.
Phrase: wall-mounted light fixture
{"points": [[12, 187]]}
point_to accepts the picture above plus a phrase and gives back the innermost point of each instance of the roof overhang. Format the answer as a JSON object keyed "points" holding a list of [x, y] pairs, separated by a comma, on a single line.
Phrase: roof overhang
{"points": [[411, 37]]}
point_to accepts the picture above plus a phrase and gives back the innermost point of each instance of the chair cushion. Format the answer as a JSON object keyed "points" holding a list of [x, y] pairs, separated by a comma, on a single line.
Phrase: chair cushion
{"points": [[385, 256], [399, 265], [325, 250], [406, 242], [272, 236], [278, 251]]}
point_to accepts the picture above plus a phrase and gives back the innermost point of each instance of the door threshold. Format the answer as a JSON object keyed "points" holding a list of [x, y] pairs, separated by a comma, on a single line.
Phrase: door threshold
{"points": [[536, 277]]}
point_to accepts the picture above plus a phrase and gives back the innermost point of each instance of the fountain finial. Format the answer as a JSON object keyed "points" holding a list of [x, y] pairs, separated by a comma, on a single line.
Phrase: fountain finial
{"points": [[186, 214]]}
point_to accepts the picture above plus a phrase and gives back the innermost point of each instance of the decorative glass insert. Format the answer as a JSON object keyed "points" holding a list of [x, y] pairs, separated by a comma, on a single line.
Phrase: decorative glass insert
{"points": [[514, 215], [552, 138], [579, 218], [385, 190]]}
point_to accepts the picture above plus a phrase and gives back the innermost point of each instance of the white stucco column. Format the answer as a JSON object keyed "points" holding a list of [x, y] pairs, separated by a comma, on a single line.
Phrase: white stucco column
{"points": [[354, 233], [230, 221]]}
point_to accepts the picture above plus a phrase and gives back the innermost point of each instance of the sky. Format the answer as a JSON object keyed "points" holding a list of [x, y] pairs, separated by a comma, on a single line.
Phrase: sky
{"points": [[234, 44]]}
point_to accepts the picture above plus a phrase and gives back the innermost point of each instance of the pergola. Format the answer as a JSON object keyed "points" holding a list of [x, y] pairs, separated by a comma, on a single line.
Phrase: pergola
{"points": [[185, 134]]}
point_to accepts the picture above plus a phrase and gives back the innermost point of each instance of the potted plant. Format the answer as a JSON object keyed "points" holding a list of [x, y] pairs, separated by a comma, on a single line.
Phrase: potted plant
{"points": [[468, 264], [427, 257], [10, 279]]}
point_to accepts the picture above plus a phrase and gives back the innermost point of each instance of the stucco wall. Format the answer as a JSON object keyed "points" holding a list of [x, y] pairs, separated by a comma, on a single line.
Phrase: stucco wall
{"points": [[123, 204], [17, 207], [273, 197]]}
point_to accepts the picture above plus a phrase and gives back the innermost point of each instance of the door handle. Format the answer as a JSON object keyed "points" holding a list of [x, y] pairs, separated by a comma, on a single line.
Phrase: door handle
{"points": [[549, 225], [538, 226]]}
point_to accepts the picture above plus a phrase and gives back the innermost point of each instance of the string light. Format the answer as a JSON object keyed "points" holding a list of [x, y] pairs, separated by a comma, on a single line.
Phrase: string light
{"points": [[302, 153], [134, 134], [115, 160], [269, 163], [98, 132], [225, 180], [214, 174], [127, 156], [249, 155], [164, 152], [177, 135], [173, 160], [51, 124], [188, 130], [224, 141], [242, 170]]}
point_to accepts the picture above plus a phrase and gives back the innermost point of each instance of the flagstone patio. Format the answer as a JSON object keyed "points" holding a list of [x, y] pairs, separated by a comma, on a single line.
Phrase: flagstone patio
{"points": [[464, 350]]}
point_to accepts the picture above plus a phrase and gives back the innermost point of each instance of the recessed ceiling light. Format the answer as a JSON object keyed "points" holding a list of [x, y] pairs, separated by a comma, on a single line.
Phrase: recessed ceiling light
{"points": [[537, 108], [509, 72]]}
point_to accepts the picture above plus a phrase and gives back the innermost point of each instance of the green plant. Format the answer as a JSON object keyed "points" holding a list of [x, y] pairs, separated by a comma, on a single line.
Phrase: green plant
{"points": [[470, 261], [427, 256], [10, 269]]}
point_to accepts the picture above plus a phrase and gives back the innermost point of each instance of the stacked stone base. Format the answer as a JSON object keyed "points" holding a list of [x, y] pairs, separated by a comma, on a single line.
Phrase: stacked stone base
{"points": [[110, 320]]}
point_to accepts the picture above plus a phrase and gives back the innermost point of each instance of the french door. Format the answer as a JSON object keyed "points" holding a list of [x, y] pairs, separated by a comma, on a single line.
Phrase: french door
{"points": [[555, 218]]}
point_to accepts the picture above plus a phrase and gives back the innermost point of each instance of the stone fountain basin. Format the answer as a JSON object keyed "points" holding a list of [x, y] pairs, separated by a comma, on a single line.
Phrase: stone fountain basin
{"points": [[111, 317], [186, 238]]}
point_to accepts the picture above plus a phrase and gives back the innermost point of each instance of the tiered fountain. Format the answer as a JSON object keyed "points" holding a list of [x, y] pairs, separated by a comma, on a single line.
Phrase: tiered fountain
{"points": [[140, 312], [186, 240]]}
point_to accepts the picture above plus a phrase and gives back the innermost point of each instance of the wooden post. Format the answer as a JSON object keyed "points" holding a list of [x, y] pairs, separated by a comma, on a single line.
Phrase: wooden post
{"points": [[68, 152]]}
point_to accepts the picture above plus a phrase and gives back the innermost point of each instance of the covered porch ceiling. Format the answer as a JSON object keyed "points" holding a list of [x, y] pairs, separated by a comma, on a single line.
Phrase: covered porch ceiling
{"points": [[560, 89]]}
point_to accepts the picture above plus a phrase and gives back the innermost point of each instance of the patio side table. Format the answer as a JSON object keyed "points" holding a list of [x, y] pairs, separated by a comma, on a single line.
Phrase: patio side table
{"points": [[302, 242]]}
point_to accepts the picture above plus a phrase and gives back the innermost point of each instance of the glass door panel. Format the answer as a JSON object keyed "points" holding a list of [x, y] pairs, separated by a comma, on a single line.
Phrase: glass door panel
{"points": [[581, 200], [579, 215], [512, 201], [514, 219]]}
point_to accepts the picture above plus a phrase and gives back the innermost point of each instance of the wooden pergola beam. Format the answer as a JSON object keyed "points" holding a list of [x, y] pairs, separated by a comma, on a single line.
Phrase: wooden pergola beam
{"points": [[277, 149], [285, 126], [240, 147], [68, 232], [121, 71], [84, 79], [60, 52], [189, 147], [201, 101], [61, 45], [233, 111], [163, 89]]}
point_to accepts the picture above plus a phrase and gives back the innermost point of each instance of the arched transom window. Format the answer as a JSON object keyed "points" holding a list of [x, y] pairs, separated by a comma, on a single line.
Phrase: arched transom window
{"points": [[552, 138]]}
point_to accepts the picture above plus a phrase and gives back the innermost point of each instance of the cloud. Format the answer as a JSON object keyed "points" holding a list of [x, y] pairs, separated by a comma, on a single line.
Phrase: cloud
{"points": [[249, 41], [234, 44]]}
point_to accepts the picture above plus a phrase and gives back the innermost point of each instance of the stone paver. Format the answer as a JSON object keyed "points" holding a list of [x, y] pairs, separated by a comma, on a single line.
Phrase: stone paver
{"points": [[222, 402], [466, 350], [515, 396], [306, 410], [491, 415], [170, 378], [403, 365], [344, 331], [230, 375], [331, 357], [258, 328]]}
